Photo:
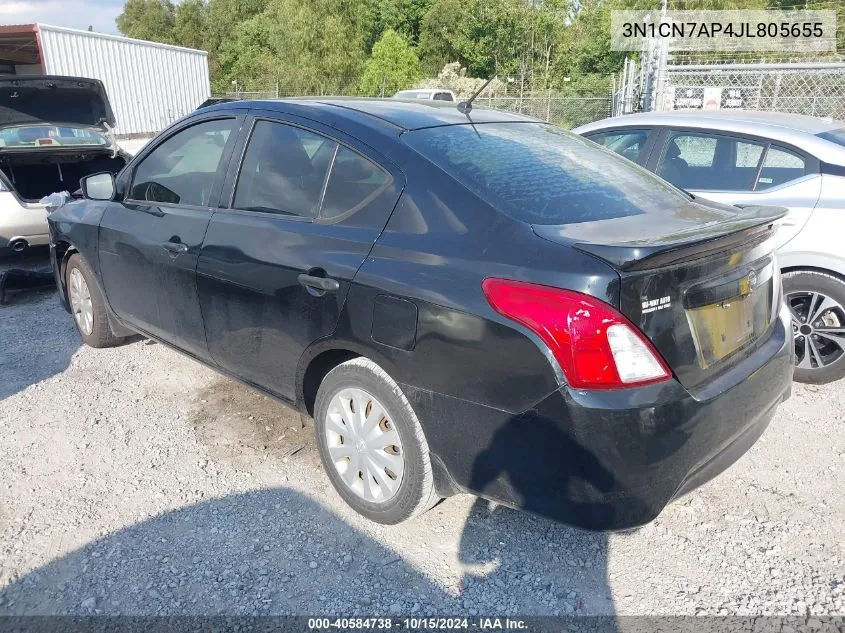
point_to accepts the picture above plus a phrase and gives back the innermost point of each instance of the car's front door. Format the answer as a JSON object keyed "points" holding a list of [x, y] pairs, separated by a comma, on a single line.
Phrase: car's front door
{"points": [[304, 208], [150, 238]]}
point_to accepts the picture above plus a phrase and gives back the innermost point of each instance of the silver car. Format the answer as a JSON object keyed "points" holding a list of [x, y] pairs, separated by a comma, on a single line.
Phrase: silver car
{"points": [[53, 131], [427, 94], [751, 158]]}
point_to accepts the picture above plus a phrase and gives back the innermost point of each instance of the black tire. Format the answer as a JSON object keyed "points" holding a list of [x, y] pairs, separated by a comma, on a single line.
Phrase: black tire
{"points": [[806, 281], [416, 492], [101, 334]]}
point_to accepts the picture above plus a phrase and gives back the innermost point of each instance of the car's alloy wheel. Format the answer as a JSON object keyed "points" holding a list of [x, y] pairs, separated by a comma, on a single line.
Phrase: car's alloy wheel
{"points": [[80, 302], [87, 305], [364, 445], [818, 325]]}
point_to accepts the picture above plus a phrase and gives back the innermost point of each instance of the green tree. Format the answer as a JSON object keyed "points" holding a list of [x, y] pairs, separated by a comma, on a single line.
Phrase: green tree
{"points": [[315, 47], [189, 24], [223, 17], [246, 58], [322, 43], [392, 66], [148, 20], [485, 36], [440, 33], [584, 45], [403, 16]]}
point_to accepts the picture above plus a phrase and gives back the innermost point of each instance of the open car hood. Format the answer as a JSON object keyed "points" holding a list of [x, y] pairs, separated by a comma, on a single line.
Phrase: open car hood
{"points": [[57, 100]]}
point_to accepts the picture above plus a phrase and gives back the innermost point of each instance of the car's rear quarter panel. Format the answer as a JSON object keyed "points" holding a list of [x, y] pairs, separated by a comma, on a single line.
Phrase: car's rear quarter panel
{"points": [[439, 245], [815, 246]]}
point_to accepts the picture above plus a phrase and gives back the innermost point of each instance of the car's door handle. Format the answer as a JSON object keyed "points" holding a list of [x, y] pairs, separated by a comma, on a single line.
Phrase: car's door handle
{"points": [[319, 283], [175, 248]]}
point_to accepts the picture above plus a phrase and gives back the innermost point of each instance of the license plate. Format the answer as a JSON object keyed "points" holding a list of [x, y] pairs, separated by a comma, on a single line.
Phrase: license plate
{"points": [[723, 328]]}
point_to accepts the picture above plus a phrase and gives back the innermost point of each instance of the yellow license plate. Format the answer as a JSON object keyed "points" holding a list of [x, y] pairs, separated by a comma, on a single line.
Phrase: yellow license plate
{"points": [[721, 329]]}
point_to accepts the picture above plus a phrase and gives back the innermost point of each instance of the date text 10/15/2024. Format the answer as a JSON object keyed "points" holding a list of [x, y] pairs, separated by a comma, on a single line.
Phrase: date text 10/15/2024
{"points": [[417, 624]]}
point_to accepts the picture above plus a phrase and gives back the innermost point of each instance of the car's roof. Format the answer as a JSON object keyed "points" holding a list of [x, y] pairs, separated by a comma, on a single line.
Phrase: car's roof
{"points": [[716, 118], [411, 114], [796, 129]]}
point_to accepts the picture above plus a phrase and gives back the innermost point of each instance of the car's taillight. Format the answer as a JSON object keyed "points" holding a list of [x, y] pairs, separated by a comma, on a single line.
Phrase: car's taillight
{"points": [[596, 347]]}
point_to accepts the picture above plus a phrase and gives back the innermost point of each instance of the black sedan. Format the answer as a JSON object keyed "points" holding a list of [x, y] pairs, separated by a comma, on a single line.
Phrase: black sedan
{"points": [[464, 301]]}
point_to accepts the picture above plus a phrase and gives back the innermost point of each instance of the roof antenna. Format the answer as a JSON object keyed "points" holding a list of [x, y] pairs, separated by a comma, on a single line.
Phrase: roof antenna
{"points": [[466, 106]]}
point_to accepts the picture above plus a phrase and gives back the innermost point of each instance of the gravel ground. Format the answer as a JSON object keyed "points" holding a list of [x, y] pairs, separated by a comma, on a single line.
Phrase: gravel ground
{"points": [[136, 481]]}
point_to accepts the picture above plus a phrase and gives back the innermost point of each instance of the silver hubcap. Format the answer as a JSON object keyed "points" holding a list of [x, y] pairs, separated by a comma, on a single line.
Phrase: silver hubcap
{"points": [[818, 325], [80, 302], [364, 446]]}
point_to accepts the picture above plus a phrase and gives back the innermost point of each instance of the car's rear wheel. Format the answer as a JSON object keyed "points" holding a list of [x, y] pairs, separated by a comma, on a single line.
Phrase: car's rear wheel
{"points": [[817, 303], [371, 443], [87, 305]]}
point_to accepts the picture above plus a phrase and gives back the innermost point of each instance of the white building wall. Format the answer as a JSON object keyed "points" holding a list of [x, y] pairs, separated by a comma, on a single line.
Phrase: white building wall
{"points": [[149, 85]]}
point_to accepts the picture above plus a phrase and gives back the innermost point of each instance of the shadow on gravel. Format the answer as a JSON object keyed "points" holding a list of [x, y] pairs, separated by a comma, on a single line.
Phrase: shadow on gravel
{"points": [[38, 336], [277, 552], [539, 468], [18, 281], [271, 551], [25, 277]]}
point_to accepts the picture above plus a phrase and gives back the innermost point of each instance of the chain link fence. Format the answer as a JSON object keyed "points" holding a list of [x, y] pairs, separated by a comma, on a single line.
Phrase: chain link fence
{"points": [[812, 88], [815, 88], [575, 106], [563, 110], [663, 78]]}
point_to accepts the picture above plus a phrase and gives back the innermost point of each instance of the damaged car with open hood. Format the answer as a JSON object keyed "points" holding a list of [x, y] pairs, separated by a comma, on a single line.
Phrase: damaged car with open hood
{"points": [[53, 132]]}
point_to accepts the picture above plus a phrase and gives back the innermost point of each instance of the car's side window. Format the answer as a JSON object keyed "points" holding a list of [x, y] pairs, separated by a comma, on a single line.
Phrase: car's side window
{"points": [[183, 168], [627, 143], [779, 167], [701, 161], [353, 182], [284, 170], [443, 96]]}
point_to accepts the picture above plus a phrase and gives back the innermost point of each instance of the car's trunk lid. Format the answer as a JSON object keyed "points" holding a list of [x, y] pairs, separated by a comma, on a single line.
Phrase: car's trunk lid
{"points": [[699, 280], [56, 100]]}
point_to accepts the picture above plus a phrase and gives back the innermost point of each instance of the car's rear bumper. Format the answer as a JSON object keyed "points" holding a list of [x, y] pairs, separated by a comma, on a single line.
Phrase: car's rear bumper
{"points": [[31, 239], [609, 459]]}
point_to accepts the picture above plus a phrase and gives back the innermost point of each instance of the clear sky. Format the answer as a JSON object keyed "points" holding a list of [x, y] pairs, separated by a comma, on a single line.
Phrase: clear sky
{"points": [[77, 14]]}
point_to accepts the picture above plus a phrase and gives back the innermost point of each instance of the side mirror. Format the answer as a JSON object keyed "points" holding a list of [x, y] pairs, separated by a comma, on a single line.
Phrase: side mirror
{"points": [[99, 186]]}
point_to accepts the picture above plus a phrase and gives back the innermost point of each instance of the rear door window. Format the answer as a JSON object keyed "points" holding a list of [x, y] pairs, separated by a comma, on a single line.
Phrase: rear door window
{"points": [[182, 169], [710, 162], [540, 174], [284, 170], [779, 167], [627, 143], [354, 182]]}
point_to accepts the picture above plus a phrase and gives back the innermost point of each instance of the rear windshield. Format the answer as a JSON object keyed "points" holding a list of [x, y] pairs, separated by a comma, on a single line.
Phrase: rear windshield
{"points": [[834, 136], [48, 136], [539, 174]]}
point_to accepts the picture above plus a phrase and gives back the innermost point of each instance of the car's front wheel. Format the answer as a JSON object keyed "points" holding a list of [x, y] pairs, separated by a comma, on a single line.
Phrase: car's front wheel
{"points": [[371, 443], [817, 303], [87, 305]]}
